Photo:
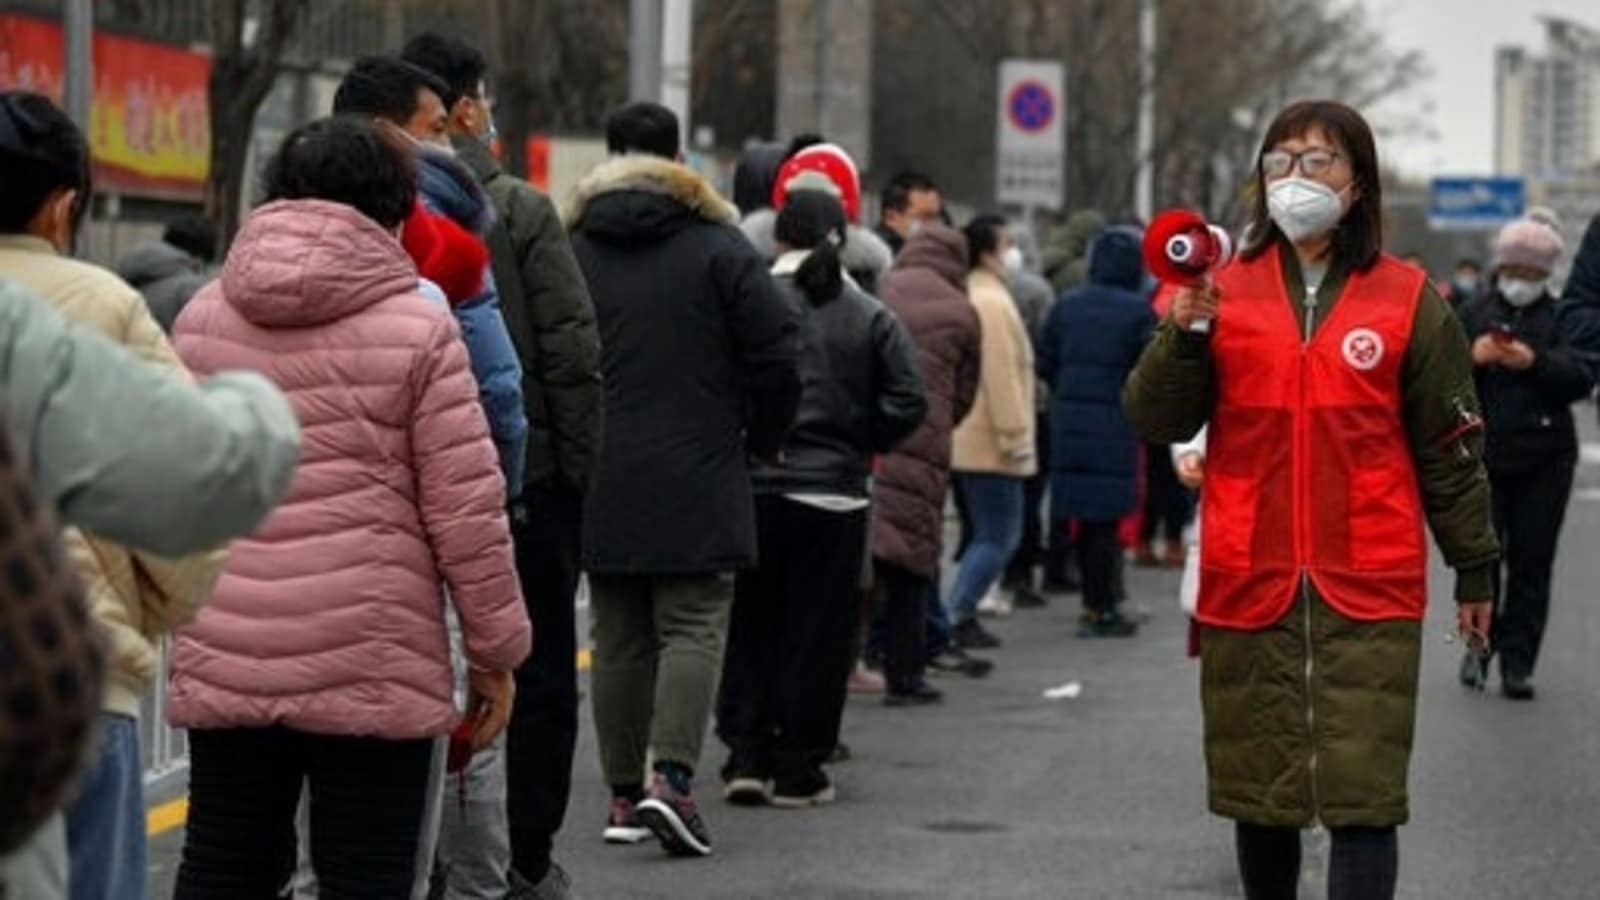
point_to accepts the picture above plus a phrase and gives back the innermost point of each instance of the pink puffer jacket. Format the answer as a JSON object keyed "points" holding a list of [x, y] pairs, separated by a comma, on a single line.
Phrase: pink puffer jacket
{"points": [[330, 618]]}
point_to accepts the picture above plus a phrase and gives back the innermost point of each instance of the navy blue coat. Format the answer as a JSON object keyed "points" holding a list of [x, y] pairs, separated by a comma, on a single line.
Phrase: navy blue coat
{"points": [[1091, 341]]}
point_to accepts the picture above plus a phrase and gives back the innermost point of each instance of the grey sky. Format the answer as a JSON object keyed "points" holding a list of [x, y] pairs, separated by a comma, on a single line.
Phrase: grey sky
{"points": [[1459, 38]]}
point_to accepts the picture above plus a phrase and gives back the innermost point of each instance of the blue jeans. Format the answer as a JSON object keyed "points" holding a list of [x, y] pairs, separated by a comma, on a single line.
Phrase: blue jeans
{"points": [[105, 824], [995, 504]]}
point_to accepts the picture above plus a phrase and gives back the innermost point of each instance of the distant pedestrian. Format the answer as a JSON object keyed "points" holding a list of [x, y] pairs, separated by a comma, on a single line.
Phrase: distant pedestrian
{"points": [[792, 640], [1528, 376], [993, 446], [1466, 283], [910, 202], [323, 656], [1094, 337], [699, 360], [1338, 390], [1035, 299], [169, 271], [926, 290]]}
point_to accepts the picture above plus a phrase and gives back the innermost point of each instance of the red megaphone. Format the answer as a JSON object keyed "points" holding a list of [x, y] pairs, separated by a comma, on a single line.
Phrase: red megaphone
{"points": [[1182, 248]]}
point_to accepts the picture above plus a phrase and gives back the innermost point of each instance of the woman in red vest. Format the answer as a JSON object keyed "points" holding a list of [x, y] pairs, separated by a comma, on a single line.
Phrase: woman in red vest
{"points": [[1338, 390]]}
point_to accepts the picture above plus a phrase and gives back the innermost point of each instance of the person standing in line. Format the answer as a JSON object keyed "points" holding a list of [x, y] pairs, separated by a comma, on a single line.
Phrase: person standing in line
{"points": [[926, 290], [136, 598], [791, 643], [699, 363], [551, 321], [1094, 337], [910, 202], [993, 446], [1336, 387], [1035, 298], [169, 271], [323, 657], [1528, 377]]}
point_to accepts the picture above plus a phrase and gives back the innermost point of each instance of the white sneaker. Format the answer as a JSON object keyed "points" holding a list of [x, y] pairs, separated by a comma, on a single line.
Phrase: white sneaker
{"points": [[996, 604]]}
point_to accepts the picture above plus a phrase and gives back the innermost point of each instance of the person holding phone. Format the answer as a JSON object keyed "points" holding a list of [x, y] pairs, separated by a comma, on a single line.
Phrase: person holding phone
{"points": [[1336, 387], [1528, 376]]}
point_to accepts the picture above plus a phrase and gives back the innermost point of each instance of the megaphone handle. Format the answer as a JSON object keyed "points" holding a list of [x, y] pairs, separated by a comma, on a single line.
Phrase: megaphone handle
{"points": [[1201, 326]]}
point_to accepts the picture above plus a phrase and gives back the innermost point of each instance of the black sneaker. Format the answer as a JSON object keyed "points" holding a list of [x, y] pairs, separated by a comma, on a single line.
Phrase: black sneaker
{"points": [[811, 788], [1109, 625], [746, 788], [921, 694], [1024, 597], [622, 825], [970, 635], [1516, 687], [953, 661], [675, 821]]}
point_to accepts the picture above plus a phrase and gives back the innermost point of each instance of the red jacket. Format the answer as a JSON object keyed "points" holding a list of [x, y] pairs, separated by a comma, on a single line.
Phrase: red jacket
{"points": [[1309, 474]]}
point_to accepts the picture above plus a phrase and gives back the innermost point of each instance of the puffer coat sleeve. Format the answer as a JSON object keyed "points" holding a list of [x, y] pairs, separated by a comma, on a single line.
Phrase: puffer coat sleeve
{"points": [[463, 515]]}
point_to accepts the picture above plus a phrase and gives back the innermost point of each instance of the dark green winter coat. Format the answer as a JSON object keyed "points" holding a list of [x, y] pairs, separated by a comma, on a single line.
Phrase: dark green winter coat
{"points": [[550, 316], [1311, 719]]}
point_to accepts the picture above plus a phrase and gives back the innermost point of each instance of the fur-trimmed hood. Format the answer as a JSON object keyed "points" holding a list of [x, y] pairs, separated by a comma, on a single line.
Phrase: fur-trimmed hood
{"points": [[631, 196], [864, 252]]}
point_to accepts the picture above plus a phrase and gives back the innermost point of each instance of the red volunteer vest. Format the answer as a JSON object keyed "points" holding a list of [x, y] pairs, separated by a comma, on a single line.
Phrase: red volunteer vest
{"points": [[1308, 468]]}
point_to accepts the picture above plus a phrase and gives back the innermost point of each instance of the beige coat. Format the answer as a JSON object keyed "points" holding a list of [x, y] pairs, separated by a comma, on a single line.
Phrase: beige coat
{"points": [[136, 597], [997, 437]]}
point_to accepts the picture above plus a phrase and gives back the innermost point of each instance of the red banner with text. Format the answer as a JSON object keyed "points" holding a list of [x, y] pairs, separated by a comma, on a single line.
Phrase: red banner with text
{"points": [[150, 126]]}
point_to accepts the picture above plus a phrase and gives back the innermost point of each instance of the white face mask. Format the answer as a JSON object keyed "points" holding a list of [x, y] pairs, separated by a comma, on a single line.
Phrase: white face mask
{"points": [[1013, 259], [1302, 208], [1519, 292]]}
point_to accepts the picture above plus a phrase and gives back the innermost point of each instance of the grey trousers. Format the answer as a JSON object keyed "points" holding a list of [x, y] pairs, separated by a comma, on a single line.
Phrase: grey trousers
{"points": [[658, 644]]}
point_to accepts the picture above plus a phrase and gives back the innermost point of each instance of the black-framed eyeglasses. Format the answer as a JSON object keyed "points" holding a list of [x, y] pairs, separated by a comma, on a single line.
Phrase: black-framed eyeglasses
{"points": [[1313, 162]]}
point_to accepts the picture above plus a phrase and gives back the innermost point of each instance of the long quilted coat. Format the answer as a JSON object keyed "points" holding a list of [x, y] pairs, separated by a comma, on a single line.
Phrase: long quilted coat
{"points": [[927, 292], [330, 618]]}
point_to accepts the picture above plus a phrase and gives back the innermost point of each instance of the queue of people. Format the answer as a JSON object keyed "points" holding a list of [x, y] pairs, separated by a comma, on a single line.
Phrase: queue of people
{"points": [[746, 424]]}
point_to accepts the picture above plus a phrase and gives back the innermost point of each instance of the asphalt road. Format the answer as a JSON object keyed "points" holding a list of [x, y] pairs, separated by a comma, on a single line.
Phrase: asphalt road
{"points": [[1001, 793]]}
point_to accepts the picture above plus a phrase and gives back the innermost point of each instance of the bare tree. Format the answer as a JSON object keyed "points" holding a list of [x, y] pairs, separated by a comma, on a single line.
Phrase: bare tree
{"points": [[242, 74]]}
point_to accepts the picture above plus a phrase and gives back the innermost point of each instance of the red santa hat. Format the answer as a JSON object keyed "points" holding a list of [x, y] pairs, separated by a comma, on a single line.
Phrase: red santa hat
{"points": [[824, 167]]}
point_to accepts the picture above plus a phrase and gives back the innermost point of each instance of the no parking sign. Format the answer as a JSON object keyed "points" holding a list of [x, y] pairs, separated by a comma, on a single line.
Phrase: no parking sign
{"points": [[1030, 143]]}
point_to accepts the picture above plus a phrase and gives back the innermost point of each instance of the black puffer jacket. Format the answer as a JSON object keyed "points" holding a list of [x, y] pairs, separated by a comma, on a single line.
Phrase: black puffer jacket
{"points": [[698, 357], [862, 393], [1528, 414]]}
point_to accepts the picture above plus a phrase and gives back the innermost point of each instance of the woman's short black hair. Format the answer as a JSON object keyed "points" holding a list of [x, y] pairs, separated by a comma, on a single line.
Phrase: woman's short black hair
{"points": [[349, 160], [41, 151], [983, 236], [1358, 240]]}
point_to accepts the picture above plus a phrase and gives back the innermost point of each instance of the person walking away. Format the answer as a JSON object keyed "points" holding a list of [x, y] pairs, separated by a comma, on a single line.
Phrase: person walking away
{"points": [[551, 321], [1327, 364], [926, 291], [1527, 379], [400, 492], [1035, 298], [699, 365], [909, 202], [993, 446], [78, 410], [169, 271], [1091, 342], [791, 644]]}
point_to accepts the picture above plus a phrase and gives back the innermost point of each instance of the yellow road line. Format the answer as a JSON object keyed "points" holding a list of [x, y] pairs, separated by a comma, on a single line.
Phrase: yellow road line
{"points": [[162, 819], [172, 814]]}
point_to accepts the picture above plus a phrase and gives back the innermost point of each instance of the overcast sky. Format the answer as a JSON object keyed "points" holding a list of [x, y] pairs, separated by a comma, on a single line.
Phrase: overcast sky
{"points": [[1459, 38]]}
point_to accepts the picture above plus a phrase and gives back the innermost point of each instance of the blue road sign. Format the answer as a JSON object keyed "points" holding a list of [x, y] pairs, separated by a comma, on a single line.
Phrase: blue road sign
{"points": [[1474, 204]]}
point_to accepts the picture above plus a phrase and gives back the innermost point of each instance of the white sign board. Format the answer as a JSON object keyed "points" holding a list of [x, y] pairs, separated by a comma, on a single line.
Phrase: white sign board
{"points": [[1031, 131]]}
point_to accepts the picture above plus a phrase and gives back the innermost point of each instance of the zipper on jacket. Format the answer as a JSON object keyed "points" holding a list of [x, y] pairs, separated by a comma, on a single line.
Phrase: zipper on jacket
{"points": [[1303, 499]]}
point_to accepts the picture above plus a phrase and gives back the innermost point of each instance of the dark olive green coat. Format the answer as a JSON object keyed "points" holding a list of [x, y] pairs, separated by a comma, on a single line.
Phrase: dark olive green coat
{"points": [[1311, 719]]}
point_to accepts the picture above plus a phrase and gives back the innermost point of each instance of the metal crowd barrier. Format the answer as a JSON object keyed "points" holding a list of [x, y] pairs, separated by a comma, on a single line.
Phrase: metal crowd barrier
{"points": [[164, 749]]}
